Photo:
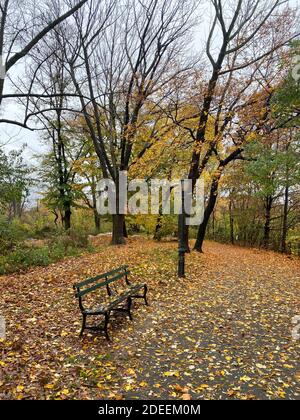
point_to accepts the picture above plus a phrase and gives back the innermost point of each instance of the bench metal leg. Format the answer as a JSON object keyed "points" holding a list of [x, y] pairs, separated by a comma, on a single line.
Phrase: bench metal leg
{"points": [[104, 329], [83, 325], [106, 326], [129, 304], [145, 295]]}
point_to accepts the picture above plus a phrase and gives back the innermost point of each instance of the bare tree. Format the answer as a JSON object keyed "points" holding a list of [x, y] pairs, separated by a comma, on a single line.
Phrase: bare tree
{"points": [[53, 113], [22, 26], [244, 37], [121, 63]]}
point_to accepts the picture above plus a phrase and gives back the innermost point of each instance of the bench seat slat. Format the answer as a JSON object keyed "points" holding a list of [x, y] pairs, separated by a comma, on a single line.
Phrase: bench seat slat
{"points": [[102, 309]]}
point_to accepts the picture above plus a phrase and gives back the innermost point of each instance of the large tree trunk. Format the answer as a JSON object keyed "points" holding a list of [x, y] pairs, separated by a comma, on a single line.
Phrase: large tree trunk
{"points": [[125, 229], [118, 229], [67, 218], [214, 225], [267, 227], [283, 245], [208, 212], [97, 221]]}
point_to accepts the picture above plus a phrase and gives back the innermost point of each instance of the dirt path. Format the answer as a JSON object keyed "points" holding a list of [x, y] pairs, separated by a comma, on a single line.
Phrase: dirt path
{"points": [[224, 332]]}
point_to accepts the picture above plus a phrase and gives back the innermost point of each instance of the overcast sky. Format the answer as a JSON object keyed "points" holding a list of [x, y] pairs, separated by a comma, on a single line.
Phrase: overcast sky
{"points": [[13, 137]]}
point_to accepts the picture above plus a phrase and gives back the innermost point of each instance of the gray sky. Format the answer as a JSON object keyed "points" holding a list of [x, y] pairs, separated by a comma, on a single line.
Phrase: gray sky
{"points": [[14, 137]]}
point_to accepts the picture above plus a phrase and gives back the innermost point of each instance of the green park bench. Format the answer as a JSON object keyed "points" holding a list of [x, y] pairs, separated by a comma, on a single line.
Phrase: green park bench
{"points": [[115, 300]]}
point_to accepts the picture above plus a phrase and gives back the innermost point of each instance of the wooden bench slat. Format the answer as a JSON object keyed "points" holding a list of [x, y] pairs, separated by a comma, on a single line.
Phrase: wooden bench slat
{"points": [[102, 309], [82, 293], [123, 269]]}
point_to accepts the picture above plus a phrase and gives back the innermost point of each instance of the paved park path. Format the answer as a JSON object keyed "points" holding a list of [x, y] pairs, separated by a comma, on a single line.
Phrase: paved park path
{"points": [[224, 332]]}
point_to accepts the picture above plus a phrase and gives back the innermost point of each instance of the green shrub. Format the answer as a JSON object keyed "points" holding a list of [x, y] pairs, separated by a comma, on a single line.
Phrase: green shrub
{"points": [[15, 255], [44, 232], [294, 244], [2, 265], [11, 234], [72, 239], [57, 252], [169, 226], [23, 258]]}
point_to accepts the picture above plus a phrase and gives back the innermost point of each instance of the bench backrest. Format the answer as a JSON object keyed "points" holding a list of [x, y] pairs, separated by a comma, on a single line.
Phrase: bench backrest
{"points": [[95, 283]]}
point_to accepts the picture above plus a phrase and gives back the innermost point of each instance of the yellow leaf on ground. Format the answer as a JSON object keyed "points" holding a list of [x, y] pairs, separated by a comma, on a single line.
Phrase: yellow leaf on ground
{"points": [[172, 373], [143, 384], [65, 392], [245, 379], [49, 386]]}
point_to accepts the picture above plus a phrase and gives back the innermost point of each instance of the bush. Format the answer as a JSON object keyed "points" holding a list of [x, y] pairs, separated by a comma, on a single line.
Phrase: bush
{"points": [[169, 226], [2, 265], [60, 246], [11, 234], [294, 244], [57, 251], [24, 257], [44, 232], [72, 239]]}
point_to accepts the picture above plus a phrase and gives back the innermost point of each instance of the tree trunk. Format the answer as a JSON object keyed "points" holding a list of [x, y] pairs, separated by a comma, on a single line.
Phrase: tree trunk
{"points": [[214, 225], [67, 218], [97, 221], [208, 212], [125, 229], [231, 221], [158, 227], [285, 229], [118, 229], [56, 217], [267, 227]]}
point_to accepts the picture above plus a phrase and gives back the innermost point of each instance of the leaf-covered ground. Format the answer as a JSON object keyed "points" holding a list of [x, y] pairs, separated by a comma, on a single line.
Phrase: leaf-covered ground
{"points": [[224, 332]]}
